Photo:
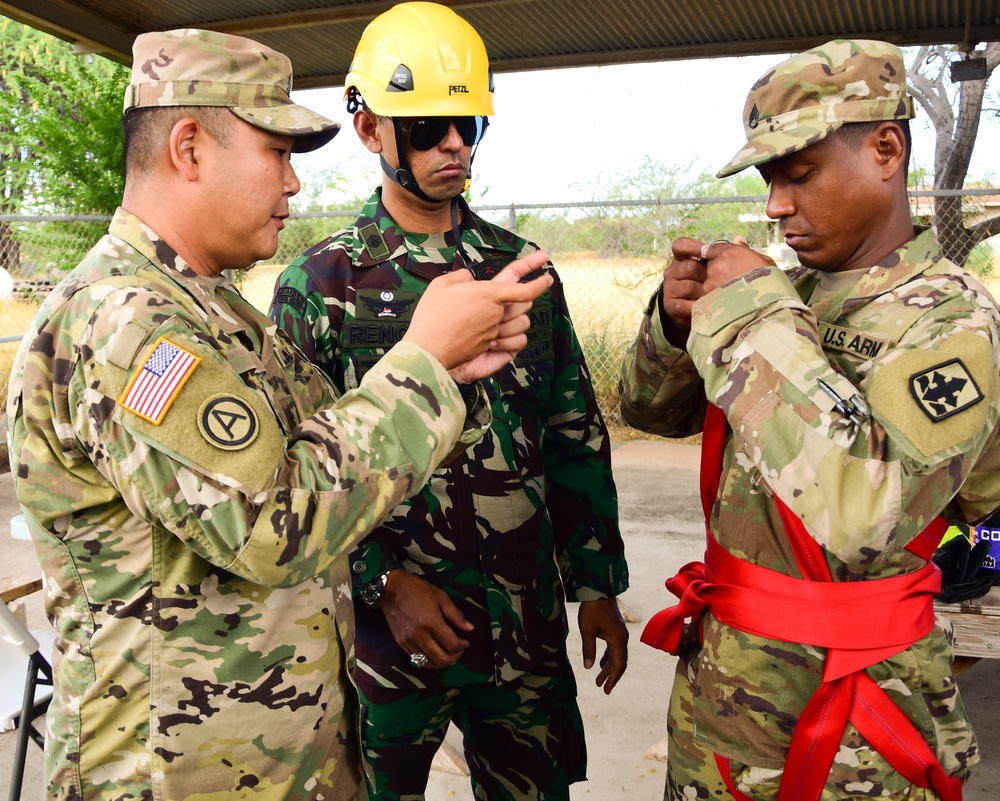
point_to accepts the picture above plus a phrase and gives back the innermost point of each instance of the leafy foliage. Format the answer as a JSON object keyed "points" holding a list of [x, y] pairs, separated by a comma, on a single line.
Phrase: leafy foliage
{"points": [[323, 190], [60, 132], [60, 119]]}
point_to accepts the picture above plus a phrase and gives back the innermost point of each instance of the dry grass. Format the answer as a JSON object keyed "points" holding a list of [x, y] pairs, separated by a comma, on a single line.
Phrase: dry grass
{"points": [[15, 315], [599, 291]]}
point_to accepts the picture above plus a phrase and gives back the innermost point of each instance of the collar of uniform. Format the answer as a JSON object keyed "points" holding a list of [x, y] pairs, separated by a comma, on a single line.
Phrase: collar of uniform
{"points": [[474, 231], [898, 268], [129, 228]]}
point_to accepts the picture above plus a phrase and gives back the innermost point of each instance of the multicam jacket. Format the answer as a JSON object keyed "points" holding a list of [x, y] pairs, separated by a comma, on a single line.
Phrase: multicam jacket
{"points": [[911, 348], [531, 510], [193, 488]]}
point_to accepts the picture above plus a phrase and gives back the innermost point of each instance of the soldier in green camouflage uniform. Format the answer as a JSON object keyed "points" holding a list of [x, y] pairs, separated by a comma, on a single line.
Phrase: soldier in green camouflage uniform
{"points": [[861, 389], [192, 483], [472, 572]]}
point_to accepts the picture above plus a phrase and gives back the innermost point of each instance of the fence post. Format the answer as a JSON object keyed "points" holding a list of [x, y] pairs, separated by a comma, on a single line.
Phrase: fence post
{"points": [[512, 219]]}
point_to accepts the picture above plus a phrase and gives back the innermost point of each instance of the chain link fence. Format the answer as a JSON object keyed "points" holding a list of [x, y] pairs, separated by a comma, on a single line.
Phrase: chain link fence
{"points": [[610, 256]]}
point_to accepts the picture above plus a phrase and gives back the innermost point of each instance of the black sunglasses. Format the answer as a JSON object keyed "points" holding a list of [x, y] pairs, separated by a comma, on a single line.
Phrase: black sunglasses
{"points": [[427, 132]]}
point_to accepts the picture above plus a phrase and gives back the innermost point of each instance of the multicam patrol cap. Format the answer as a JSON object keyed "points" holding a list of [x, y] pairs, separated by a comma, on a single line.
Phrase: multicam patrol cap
{"points": [[809, 96], [190, 67]]}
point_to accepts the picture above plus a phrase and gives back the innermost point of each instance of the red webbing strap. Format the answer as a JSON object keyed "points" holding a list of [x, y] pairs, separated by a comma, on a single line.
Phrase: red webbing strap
{"points": [[851, 694], [885, 727], [897, 610], [722, 763], [664, 629], [820, 729], [927, 541], [848, 693], [713, 449]]}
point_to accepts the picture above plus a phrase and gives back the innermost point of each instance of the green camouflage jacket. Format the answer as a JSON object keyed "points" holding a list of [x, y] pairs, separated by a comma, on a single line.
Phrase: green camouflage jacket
{"points": [[912, 350], [531, 503], [193, 487]]}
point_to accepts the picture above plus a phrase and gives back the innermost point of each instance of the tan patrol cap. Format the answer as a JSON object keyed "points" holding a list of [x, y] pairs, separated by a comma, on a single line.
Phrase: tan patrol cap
{"points": [[191, 67], [809, 96]]}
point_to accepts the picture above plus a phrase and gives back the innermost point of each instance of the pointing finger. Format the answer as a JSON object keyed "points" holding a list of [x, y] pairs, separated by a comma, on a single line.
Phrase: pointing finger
{"points": [[520, 268]]}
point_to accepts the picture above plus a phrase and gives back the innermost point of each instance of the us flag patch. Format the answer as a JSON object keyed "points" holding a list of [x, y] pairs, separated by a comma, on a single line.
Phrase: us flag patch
{"points": [[159, 381]]}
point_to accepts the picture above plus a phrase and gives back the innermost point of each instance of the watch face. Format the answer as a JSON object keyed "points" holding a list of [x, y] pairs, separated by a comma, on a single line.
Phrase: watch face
{"points": [[372, 592]]}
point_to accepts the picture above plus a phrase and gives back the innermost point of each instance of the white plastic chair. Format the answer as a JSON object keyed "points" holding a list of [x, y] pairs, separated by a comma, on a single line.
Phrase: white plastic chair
{"points": [[25, 687]]}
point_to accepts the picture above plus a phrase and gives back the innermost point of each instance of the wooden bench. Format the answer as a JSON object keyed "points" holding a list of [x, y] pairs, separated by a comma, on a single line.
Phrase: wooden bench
{"points": [[14, 587], [977, 628]]}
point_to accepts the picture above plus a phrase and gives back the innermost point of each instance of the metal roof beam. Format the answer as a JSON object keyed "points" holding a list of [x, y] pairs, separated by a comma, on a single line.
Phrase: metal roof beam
{"points": [[68, 21], [283, 21]]}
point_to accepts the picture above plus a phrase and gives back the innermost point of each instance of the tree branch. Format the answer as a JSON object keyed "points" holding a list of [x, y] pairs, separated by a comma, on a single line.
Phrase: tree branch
{"points": [[970, 108], [985, 229]]}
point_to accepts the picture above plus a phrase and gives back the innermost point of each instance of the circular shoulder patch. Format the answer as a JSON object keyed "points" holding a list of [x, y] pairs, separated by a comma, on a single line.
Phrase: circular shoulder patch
{"points": [[227, 422]]}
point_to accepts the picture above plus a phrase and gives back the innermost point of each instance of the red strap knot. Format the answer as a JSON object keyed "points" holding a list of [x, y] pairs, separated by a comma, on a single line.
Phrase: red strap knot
{"points": [[664, 629]]}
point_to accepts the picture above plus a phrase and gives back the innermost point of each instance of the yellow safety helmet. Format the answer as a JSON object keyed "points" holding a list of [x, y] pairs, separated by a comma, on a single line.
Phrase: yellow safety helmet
{"points": [[420, 60]]}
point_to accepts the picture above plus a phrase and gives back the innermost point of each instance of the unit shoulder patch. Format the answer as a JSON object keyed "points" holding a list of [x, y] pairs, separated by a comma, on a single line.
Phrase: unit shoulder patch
{"points": [[227, 422], [936, 402], [154, 386], [944, 390]]}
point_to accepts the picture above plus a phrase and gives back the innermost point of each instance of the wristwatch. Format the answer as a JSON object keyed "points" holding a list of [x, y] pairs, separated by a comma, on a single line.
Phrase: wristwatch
{"points": [[372, 592]]}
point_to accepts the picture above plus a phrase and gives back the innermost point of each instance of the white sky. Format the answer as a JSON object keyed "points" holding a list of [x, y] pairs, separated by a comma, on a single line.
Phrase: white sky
{"points": [[557, 133]]}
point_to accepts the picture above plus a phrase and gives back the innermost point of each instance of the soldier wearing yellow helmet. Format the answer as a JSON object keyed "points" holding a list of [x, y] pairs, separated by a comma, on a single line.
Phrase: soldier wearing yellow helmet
{"points": [[460, 606], [455, 81]]}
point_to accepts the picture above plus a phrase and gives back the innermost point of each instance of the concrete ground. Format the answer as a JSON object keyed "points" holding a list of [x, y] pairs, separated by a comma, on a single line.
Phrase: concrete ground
{"points": [[661, 523]]}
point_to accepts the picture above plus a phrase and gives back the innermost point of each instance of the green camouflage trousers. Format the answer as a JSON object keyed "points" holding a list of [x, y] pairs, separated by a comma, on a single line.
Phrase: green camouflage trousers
{"points": [[523, 739], [858, 772]]}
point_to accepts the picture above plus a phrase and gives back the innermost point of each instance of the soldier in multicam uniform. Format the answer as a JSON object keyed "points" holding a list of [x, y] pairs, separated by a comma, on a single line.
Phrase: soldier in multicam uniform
{"points": [[192, 482], [859, 401], [459, 595]]}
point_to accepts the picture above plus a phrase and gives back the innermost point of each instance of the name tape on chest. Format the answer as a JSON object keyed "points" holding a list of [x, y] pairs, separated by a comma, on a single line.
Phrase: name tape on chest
{"points": [[155, 385], [945, 390], [847, 340], [381, 317]]}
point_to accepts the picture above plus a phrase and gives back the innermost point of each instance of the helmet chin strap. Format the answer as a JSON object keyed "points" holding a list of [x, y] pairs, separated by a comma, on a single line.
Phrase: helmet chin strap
{"points": [[402, 176], [405, 179]]}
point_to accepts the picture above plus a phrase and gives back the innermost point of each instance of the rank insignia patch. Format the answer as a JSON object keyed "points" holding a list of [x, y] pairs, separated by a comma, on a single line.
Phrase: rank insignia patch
{"points": [[159, 381], [227, 422], [944, 390]]}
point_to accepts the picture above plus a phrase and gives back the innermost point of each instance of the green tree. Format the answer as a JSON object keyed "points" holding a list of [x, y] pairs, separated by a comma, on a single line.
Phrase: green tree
{"points": [[60, 133], [955, 110]]}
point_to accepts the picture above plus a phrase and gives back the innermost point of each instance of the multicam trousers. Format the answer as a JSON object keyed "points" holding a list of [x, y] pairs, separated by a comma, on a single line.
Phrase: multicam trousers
{"points": [[858, 772]]}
